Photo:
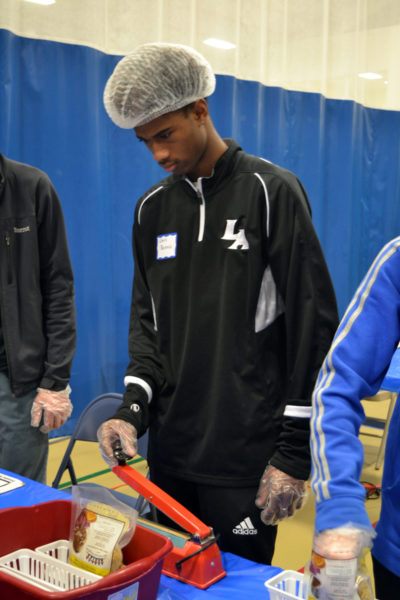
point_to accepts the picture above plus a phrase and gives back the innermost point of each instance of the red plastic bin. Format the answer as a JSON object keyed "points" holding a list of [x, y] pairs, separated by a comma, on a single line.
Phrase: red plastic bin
{"points": [[33, 526]]}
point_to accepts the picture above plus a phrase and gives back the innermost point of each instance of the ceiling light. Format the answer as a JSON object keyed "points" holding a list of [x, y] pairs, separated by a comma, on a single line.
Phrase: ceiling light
{"points": [[221, 44], [369, 75], [44, 2]]}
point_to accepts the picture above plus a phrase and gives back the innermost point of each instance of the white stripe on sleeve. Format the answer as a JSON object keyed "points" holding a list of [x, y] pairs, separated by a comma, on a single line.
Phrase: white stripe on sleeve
{"points": [[303, 412], [136, 380]]}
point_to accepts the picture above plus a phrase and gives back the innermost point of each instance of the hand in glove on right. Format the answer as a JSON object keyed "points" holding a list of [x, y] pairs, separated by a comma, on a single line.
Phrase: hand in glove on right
{"points": [[112, 433]]}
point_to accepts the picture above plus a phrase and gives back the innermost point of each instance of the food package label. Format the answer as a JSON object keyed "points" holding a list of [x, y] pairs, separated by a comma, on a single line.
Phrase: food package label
{"points": [[95, 541], [332, 579]]}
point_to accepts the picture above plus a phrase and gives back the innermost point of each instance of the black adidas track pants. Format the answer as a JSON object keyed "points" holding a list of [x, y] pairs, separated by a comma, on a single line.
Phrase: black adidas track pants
{"points": [[231, 512]]}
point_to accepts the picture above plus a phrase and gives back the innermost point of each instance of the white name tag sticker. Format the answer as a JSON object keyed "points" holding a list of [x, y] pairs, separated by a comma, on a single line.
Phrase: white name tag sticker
{"points": [[166, 246]]}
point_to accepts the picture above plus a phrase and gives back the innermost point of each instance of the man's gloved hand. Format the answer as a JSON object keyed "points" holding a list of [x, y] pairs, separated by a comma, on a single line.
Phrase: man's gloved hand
{"points": [[113, 431], [51, 409], [279, 495]]}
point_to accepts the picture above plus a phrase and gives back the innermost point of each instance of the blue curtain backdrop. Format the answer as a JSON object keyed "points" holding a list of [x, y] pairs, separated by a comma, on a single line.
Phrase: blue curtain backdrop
{"points": [[52, 117]]}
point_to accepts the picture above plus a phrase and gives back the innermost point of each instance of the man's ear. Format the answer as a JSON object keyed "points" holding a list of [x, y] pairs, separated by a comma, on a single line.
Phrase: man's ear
{"points": [[200, 110]]}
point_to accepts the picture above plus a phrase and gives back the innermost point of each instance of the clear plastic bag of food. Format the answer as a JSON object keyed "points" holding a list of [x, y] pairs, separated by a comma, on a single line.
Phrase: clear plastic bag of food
{"points": [[101, 526], [338, 565]]}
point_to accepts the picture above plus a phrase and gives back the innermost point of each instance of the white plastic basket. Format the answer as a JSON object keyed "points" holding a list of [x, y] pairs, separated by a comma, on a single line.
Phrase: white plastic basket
{"points": [[58, 549], [36, 582], [288, 585], [44, 571]]}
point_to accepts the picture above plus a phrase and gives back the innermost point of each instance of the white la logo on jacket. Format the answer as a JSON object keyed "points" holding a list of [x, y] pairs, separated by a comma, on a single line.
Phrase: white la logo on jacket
{"points": [[239, 239]]}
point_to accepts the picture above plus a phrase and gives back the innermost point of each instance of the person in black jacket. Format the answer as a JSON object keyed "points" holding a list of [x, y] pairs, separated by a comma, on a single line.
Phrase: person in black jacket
{"points": [[233, 310], [37, 318]]}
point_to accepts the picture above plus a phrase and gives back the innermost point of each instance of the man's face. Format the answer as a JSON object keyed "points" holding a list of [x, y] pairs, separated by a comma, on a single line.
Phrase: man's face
{"points": [[178, 141]]}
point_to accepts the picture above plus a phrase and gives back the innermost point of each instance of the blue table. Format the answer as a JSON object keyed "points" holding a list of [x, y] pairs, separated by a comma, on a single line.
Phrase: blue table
{"points": [[30, 493], [244, 579]]}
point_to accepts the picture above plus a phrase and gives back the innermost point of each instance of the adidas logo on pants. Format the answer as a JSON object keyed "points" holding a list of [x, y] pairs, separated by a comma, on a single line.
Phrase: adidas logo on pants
{"points": [[246, 527]]}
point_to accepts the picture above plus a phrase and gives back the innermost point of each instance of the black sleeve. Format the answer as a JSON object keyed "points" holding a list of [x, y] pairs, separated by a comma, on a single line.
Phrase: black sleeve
{"points": [[143, 351], [144, 367], [311, 318], [57, 288], [134, 408]]}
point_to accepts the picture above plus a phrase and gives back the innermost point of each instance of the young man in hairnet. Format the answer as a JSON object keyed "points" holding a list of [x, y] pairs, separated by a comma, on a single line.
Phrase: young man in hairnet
{"points": [[233, 310], [37, 318]]}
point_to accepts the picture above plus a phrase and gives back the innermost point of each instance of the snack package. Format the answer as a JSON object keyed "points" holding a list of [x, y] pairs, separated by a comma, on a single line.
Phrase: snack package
{"points": [[101, 526], [338, 567]]}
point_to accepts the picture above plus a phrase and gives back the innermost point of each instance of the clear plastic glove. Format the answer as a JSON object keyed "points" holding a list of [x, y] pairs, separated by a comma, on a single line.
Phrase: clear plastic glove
{"points": [[279, 495], [338, 563], [113, 431], [51, 408]]}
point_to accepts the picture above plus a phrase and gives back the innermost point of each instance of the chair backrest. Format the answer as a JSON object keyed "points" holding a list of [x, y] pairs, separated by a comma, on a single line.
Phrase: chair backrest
{"points": [[97, 411]]}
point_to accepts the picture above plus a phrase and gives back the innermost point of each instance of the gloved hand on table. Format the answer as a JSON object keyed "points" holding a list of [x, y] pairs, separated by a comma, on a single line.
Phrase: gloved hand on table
{"points": [[116, 431], [279, 495], [51, 408], [349, 545]]}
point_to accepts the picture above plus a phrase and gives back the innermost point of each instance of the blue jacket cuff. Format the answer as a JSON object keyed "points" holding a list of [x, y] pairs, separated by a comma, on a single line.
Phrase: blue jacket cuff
{"points": [[340, 511]]}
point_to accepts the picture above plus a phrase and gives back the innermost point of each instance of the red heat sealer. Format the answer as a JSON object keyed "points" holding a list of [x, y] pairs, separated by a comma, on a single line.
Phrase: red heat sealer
{"points": [[195, 557]]}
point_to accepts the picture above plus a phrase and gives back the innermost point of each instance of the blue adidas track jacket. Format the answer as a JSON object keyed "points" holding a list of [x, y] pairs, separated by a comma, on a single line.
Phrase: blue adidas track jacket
{"points": [[354, 368]]}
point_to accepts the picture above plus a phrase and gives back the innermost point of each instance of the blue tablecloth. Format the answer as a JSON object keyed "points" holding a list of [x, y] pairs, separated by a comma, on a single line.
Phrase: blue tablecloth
{"points": [[244, 579], [30, 493]]}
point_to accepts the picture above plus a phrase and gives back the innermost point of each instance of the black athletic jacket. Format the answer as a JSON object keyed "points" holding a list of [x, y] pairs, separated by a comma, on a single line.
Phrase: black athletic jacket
{"points": [[233, 311], [36, 281]]}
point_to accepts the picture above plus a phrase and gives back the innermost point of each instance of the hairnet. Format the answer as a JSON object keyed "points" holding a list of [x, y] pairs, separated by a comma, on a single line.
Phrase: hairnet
{"points": [[155, 79]]}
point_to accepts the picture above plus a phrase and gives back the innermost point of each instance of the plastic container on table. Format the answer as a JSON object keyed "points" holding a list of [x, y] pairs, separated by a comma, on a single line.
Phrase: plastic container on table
{"points": [[288, 585], [35, 526], [44, 571], [58, 549]]}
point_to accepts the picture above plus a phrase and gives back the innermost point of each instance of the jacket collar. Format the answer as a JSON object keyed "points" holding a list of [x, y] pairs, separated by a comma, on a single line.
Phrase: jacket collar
{"points": [[222, 169]]}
